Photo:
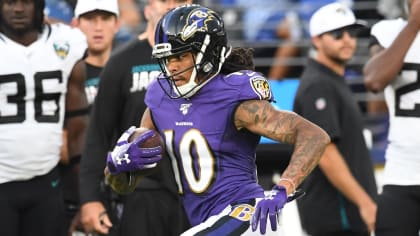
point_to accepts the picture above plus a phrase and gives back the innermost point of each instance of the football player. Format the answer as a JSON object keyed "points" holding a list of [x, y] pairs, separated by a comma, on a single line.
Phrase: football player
{"points": [[394, 68], [211, 110], [41, 90], [99, 21]]}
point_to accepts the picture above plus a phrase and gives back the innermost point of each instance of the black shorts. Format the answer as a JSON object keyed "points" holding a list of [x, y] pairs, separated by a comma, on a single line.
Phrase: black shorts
{"points": [[398, 211], [33, 207]]}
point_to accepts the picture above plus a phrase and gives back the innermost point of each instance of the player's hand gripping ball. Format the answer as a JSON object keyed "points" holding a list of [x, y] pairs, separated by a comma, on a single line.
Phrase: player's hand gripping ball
{"points": [[135, 155]]}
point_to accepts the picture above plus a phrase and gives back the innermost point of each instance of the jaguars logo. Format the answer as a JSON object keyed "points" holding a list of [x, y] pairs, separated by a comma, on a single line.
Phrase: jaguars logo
{"points": [[61, 49], [196, 21]]}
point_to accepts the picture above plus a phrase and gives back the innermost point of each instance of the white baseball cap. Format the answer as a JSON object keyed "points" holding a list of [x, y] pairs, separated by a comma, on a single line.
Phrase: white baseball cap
{"points": [[331, 17], [85, 6]]}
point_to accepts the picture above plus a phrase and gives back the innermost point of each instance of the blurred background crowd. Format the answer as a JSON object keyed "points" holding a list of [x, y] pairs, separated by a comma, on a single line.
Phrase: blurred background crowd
{"points": [[277, 30]]}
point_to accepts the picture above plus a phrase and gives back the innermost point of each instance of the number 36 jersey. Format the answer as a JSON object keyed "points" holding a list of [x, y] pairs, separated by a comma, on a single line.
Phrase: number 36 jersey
{"points": [[403, 99], [33, 85]]}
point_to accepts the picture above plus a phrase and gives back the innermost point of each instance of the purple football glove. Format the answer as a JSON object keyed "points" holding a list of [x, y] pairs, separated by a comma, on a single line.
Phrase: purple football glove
{"points": [[128, 157], [270, 206]]}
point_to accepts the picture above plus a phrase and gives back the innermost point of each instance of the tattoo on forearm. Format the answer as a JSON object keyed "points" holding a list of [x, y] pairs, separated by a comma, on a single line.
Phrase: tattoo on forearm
{"points": [[289, 128], [305, 157]]}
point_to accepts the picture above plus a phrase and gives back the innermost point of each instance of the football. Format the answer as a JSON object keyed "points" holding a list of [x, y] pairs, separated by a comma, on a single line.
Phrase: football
{"points": [[125, 183], [154, 141]]}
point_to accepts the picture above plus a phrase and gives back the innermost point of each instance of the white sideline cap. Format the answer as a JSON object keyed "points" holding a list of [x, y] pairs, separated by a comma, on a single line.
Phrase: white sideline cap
{"points": [[331, 17], [85, 6]]}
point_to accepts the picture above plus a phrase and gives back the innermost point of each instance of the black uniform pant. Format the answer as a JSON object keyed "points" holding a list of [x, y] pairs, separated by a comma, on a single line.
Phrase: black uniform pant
{"points": [[343, 233], [156, 212], [398, 211], [33, 207]]}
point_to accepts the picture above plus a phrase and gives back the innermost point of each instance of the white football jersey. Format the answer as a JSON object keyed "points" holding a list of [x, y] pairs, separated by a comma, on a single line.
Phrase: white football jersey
{"points": [[33, 85], [402, 96]]}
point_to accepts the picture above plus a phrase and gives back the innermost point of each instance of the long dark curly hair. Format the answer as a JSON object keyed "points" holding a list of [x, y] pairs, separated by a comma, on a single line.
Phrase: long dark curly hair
{"points": [[239, 59], [39, 14]]}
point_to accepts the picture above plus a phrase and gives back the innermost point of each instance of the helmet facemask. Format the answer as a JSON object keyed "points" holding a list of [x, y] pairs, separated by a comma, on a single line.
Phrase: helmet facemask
{"points": [[203, 70]]}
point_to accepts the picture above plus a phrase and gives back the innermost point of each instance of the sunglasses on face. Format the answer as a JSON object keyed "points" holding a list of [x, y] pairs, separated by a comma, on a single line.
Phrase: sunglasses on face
{"points": [[339, 33]]}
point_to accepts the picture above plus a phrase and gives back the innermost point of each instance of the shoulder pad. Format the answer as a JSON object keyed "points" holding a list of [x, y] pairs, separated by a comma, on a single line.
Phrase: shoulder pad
{"points": [[386, 31]]}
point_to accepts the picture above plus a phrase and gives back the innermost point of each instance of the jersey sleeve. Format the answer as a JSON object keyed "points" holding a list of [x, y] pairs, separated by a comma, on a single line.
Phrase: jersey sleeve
{"points": [[386, 31], [69, 41], [251, 85], [80, 43]]}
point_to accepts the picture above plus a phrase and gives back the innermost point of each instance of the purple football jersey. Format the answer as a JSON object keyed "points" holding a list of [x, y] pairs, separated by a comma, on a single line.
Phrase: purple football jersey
{"points": [[213, 162]]}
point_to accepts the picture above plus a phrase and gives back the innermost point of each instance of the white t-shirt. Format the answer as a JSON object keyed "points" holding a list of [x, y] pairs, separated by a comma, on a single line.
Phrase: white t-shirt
{"points": [[33, 85]]}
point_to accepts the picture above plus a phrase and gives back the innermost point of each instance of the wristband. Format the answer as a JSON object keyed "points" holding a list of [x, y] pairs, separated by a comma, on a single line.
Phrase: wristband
{"points": [[289, 181], [79, 112]]}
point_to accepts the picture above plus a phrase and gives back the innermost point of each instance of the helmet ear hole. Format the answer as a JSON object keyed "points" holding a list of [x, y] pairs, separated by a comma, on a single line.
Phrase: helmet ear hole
{"points": [[207, 67]]}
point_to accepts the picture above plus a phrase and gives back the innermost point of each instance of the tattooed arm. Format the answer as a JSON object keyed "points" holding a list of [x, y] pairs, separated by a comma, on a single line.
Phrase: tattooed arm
{"points": [[260, 117]]}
